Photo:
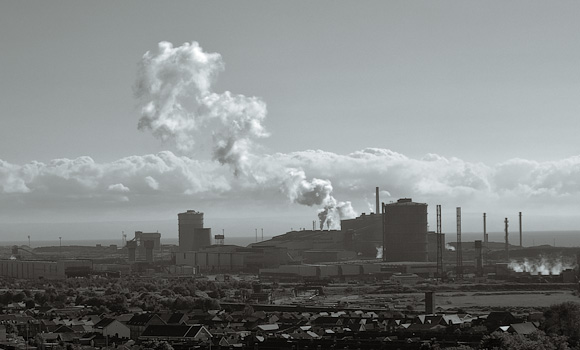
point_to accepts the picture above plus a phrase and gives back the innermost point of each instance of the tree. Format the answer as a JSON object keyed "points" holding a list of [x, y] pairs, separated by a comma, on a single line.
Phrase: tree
{"points": [[535, 341], [563, 319]]}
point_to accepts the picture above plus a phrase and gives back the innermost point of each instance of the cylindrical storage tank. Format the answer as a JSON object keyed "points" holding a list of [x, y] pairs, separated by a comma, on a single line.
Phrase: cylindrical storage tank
{"points": [[187, 223]]}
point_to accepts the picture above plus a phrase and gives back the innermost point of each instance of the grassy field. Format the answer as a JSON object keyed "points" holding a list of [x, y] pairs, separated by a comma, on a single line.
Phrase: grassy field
{"points": [[504, 299]]}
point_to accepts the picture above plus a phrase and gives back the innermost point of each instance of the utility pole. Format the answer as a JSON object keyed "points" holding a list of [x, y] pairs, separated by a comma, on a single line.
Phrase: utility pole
{"points": [[60, 245]]}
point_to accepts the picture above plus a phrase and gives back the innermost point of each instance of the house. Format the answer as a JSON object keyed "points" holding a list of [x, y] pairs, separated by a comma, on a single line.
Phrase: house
{"points": [[138, 323], [525, 328], [110, 327], [495, 319], [176, 333]]}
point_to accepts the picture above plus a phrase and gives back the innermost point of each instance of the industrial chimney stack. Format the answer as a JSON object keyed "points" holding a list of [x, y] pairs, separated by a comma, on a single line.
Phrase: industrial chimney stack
{"points": [[521, 245], [507, 242], [377, 199]]}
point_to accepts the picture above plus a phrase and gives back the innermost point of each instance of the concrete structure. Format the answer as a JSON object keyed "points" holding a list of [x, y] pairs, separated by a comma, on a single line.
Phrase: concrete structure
{"points": [[154, 237], [366, 234], [429, 303], [432, 245], [148, 251], [132, 249], [37, 269], [192, 235], [405, 231], [232, 258]]}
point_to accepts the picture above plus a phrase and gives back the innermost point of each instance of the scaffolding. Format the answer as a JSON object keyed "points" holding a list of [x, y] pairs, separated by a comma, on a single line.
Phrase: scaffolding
{"points": [[439, 245], [459, 271]]}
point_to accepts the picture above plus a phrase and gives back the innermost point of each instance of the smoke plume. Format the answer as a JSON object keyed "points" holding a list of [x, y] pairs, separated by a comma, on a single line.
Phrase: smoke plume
{"points": [[543, 265], [317, 192], [178, 105]]}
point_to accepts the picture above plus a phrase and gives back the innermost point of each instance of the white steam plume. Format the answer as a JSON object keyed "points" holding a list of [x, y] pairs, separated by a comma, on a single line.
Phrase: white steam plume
{"points": [[542, 265], [178, 105], [317, 192]]}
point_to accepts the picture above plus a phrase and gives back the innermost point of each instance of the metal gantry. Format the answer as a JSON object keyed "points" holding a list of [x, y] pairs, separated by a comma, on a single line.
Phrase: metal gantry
{"points": [[439, 245], [459, 254]]}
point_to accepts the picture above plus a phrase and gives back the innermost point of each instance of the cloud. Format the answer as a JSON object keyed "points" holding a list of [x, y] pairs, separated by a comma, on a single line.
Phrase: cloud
{"points": [[177, 104], [281, 178], [154, 184], [120, 188]]}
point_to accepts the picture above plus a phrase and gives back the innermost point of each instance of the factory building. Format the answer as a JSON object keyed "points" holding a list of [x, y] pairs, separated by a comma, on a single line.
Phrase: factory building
{"points": [[232, 258], [39, 269], [366, 234], [192, 235], [405, 231], [141, 247]]}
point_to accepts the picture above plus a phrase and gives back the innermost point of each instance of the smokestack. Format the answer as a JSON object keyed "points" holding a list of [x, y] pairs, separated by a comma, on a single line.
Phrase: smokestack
{"points": [[507, 244], [484, 229], [430, 303], [521, 245], [478, 258], [377, 199]]}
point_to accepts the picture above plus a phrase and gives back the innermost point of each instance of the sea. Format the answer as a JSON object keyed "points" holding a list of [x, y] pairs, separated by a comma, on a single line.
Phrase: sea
{"points": [[240, 241], [560, 238]]}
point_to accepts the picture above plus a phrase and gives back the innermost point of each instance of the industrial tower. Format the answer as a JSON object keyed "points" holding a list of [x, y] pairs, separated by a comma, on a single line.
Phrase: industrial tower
{"points": [[439, 244], [459, 246]]}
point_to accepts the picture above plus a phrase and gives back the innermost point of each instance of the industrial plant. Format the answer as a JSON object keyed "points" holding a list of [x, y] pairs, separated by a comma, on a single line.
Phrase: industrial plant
{"points": [[383, 279], [394, 239]]}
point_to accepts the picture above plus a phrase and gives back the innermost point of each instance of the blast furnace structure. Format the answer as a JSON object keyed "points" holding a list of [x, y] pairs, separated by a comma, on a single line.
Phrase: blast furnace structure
{"points": [[405, 231], [192, 235]]}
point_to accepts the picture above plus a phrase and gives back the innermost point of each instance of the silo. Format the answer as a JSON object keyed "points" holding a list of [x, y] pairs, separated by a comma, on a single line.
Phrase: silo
{"points": [[192, 234]]}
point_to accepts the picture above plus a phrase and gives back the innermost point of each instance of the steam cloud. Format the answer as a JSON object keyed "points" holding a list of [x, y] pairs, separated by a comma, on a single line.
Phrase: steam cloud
{"points": [[317, 192], [543, 265], [174, 89], [177, 104]]}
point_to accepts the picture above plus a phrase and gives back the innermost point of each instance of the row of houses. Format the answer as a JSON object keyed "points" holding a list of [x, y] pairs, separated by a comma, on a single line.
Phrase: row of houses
{"points": [[247, 327]]}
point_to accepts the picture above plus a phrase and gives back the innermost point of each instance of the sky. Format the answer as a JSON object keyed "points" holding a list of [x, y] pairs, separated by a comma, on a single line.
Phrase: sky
{"points": [[278, 110]]}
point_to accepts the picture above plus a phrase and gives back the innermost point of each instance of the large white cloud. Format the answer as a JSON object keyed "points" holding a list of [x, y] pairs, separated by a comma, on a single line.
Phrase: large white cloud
{"points": [[551, 186]]}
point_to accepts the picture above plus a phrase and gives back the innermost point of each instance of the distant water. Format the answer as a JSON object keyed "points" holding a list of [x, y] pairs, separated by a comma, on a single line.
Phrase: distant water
{"points": [[241, 241], [532, 238]]}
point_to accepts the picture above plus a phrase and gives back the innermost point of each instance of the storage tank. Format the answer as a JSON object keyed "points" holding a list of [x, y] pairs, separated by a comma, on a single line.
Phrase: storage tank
{"points": [[192, 234]]}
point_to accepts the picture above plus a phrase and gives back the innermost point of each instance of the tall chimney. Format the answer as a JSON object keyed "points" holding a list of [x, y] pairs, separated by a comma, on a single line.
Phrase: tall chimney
{"points": [[377, 198], [507, 242], [484, 229], [521, 229]]}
